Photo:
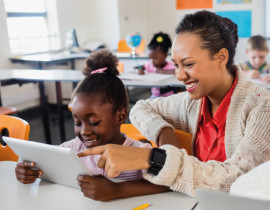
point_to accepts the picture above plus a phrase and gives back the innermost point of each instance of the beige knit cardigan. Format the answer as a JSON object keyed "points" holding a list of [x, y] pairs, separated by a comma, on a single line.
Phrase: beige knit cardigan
{"points": [[247, 137]]}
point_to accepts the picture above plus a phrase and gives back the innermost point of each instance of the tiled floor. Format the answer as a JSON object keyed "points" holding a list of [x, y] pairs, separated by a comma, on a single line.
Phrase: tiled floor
{"points": [[34, 117]]}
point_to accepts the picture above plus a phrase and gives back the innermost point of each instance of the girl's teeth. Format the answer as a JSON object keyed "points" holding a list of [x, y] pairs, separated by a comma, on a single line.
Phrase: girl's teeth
{"points": [[92, 140]]}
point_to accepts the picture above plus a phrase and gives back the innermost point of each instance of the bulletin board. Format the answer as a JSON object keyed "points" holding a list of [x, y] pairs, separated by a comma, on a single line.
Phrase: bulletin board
{"points": [[194, 4]]}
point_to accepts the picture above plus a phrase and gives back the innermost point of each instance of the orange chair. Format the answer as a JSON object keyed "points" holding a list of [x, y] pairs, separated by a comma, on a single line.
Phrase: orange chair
{"points": [[185, 140], [134, 133], [184, 137], [120, 67], [14, 127], [124, 48], [7, 110]]}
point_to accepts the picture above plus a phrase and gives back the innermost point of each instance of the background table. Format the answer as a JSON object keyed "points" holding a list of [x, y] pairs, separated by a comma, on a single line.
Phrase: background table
{"points": [[55, 57], [43, 195]]}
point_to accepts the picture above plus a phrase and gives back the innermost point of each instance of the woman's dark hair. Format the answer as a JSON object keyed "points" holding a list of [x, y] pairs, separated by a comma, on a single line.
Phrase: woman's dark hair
{"points": [[105, 84], [216, 32], [160, 41]]}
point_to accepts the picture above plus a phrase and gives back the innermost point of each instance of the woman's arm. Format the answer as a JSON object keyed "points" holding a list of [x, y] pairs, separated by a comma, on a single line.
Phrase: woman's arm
{"points": [[152, 115], [103, 189], [185, 173]]}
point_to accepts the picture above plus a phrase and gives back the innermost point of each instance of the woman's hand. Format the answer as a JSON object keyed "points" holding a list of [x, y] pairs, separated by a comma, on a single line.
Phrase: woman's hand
{"points": [[25, 172], [167, 136], [116, 158], [98, 187]]}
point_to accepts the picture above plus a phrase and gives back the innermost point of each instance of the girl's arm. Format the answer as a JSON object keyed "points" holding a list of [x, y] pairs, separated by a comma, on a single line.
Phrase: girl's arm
{"points": [[162, 71], [103, 189]]}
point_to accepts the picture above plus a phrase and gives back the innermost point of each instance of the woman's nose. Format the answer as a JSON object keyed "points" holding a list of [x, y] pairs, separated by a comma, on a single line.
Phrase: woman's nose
{"points": [[181, 74]]}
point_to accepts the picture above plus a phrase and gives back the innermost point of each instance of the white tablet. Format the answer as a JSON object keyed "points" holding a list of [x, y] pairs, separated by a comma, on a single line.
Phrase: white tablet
{"points": [[59, 165]]}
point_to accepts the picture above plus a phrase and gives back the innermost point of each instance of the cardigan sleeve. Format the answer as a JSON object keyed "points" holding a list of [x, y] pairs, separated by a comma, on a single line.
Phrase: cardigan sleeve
{"points": [[185, 173], [152, 115]]}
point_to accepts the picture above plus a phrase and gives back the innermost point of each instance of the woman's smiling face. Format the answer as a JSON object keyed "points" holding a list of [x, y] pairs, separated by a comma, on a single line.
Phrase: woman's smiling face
{"points": [[195, 66], [94, 121]]}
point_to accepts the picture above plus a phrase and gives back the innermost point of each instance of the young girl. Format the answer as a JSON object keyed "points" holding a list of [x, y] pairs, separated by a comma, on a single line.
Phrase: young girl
{"points": [[99, 107], [158, 52]]}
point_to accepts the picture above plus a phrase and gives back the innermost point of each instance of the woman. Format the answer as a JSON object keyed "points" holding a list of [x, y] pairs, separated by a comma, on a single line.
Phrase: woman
{"points": [[228, 117]]}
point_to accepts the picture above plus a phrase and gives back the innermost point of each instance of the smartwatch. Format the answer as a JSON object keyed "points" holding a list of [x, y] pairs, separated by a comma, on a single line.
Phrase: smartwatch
{"points": [[156, 160]]}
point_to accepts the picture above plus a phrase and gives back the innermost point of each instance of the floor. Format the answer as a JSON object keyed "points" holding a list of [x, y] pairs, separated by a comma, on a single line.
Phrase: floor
{"points": [[34, 117]]}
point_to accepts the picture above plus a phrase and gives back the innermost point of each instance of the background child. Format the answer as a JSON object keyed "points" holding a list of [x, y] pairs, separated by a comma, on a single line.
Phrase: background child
{"points": [[256, 52], [99, 107], [158, 51]]}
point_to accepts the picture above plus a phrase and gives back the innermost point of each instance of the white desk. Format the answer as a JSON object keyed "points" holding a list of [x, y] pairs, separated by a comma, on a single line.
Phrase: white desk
{"points": [[61, 56], [43, 195]]}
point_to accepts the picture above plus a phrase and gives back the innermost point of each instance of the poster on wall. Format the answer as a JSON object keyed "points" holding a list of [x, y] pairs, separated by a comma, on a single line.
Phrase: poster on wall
{"points": [[194, 4], [233, 1], [241, 18]]}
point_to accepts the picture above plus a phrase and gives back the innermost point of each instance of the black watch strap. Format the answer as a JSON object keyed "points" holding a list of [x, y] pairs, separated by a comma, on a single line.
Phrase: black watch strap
{"points": [[156, 160]]}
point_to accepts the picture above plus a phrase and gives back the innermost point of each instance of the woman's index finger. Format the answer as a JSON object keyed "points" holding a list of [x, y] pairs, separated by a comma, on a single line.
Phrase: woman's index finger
{"points": [[92, 151]]}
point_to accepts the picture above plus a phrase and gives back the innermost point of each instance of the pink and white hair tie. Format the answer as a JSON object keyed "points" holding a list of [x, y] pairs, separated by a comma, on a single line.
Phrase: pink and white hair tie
{"points": [[99, 70]]}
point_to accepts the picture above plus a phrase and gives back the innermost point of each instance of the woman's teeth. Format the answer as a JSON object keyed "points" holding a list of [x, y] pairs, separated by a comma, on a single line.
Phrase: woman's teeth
{"points": [[191, 85]]}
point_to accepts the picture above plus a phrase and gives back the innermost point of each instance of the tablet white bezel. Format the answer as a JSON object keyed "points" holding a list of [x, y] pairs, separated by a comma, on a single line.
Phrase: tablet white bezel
{"points": [[59, 165]]}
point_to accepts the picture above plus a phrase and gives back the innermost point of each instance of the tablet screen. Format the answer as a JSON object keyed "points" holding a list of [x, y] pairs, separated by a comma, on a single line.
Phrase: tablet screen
{"points": [[59, 165]]}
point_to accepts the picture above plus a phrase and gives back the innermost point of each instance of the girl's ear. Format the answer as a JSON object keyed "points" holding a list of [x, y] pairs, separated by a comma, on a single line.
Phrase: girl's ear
{"points": [[121, 116]]}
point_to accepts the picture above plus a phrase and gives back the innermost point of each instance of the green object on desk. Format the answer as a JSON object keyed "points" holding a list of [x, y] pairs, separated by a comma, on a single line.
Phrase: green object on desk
{"points": [[137, 63]]}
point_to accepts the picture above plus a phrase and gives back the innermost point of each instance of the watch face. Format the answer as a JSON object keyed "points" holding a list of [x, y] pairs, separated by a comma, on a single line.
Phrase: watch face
{"points": [[157, 160], [159, 157]]}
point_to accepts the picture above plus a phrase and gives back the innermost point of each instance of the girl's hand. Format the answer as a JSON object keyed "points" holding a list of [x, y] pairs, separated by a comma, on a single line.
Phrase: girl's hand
{"points": [[117, 158], [98, 187], [162, 71], [25, 172]]}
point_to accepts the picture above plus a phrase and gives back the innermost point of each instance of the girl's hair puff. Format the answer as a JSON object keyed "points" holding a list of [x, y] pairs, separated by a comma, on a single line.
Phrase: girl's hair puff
{"points": [[160, 41], [106, 84]]}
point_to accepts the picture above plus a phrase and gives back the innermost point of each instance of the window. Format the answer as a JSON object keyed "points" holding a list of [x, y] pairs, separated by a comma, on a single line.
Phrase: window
{"points": [[28, 27]]}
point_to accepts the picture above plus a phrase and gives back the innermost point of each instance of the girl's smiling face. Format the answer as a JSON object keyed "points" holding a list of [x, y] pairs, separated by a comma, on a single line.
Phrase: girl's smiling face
{"points": [[94, 121], [158, 57], [195, 67]]}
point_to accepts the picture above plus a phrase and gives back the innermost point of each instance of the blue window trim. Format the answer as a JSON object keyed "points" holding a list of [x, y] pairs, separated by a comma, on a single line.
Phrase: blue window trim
{"points": [[27, 14]]}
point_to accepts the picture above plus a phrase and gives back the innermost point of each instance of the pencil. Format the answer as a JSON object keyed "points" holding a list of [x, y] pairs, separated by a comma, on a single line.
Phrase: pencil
{"points": [[141, 207]]}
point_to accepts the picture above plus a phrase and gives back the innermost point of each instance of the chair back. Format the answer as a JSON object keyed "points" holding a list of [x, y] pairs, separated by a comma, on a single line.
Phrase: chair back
{"points": [[120, 67], [184, 137], [185, 140], [13, 127], [124, 48], [134, 133]]}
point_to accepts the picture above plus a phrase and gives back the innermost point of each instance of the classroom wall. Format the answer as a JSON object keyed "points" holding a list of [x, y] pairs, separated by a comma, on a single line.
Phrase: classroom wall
{"points": [[108, 21]]}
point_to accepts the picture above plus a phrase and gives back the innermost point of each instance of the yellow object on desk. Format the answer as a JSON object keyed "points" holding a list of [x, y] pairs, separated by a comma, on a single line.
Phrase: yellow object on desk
{"points": [[141, 207]]}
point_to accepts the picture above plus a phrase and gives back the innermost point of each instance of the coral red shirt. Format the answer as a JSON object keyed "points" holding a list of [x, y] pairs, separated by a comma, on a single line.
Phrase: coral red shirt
{"points": [[209, 144]]}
